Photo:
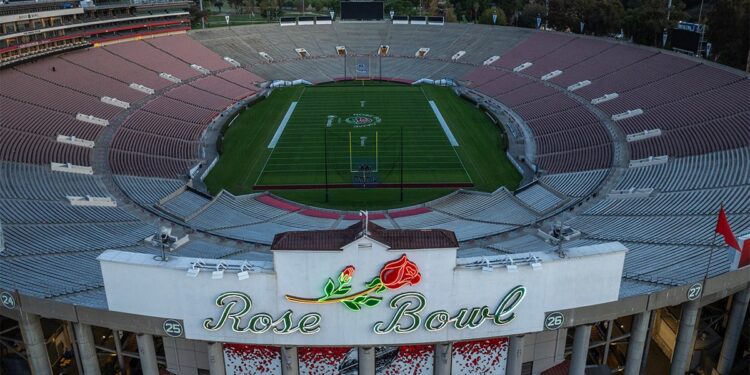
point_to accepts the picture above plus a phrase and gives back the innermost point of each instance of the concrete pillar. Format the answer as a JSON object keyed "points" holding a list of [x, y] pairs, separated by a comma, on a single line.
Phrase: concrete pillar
{"points": [[580, 350], [683, 348], [649, 335], [366, 360], [118, 350], [147, 354], [637, 343], [86, 349], [33, 340], [289, 361], [74, 344], [216, 358], [733, 330], [443, 359], [515, 355]]}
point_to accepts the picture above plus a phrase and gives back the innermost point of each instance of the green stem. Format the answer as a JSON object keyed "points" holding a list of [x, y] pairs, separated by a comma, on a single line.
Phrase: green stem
{"points": [[334, 300]]}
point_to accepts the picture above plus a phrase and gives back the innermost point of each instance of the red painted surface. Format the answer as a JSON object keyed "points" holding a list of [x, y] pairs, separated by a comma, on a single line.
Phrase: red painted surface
{"points": [[358, 186], [489, 356], [252, 359], [320, 214], [409, 212], [411, 360], [321, 360], [371, 215], [273, 202]]}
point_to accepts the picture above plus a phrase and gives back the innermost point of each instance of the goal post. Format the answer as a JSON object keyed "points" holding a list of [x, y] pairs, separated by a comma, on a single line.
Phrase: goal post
{"points": [[362, 68], [364, 151]]}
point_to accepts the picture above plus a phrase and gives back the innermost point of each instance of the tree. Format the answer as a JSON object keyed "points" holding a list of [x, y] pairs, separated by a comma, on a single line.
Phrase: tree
{"points": [[219, 4], [402, 7], [511, 8], [646, 23], [728, 26], [236, 4], [196, 14], [432, 8], [529, 14], [563, 14], [269, 6], [605, 17], [486, 17]]}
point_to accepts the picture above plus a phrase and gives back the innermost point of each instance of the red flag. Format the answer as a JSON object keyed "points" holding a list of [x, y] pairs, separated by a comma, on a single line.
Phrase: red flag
{"points": [[745, 255], [723, 228]]}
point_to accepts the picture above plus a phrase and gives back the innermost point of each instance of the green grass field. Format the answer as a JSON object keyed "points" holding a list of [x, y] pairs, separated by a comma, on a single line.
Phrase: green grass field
{"points": [[325, 131]]}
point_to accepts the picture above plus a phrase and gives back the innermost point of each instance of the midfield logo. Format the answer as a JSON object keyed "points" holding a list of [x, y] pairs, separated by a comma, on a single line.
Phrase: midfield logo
{"points": [[361, 120]]}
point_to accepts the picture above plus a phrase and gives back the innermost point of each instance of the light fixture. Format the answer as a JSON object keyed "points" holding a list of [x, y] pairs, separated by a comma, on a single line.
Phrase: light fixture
{"points": [[487, 266], [536, 264], [511, 266], [244, 273], [194, 270], [219, 272]]}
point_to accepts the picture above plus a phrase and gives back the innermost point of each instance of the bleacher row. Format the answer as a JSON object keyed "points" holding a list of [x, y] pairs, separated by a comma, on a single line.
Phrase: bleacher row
{"points": [[682, 210], [698, 108], [41, 100], [569, 138], [703, 123], [51, 245], [258, 217], [161, 138]]}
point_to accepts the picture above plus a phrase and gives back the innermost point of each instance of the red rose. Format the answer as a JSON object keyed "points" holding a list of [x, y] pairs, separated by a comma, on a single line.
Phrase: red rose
{"points": [[346, 274], [399, 273]]}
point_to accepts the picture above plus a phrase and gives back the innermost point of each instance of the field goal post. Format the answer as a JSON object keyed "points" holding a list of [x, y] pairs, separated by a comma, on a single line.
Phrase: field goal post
{"points": [[364, 153], [362, 68]]}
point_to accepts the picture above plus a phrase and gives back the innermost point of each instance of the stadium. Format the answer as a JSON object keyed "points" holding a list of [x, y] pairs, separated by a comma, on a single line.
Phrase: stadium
{"points": [[404, 195]]}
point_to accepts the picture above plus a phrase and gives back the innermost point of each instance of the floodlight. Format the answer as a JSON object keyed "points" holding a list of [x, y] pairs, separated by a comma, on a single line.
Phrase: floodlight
{"points": [[511, 266], [536, 264], [193, 271], [487, 267], [219, 273], [244, 273]]}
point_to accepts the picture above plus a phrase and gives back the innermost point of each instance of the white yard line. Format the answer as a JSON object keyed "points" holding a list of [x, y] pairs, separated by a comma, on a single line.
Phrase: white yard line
{"points": [[441, 120], [448, 133], [280, 130]]}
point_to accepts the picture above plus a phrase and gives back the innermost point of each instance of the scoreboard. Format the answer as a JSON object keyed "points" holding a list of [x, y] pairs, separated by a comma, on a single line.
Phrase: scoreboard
{"points": [[362, 10]]}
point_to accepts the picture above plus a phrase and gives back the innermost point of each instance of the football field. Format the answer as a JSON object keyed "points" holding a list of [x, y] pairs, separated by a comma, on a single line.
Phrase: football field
{"points": [[356, 134], [364, 141]]}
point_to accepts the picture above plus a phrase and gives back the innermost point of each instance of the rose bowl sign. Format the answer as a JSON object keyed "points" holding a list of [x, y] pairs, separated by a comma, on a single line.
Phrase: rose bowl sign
{"points": [[362, 294], [408, 315]]}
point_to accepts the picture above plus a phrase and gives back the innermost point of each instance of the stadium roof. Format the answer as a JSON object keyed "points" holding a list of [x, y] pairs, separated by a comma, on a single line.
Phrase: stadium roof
{"points": [[335, 239]]}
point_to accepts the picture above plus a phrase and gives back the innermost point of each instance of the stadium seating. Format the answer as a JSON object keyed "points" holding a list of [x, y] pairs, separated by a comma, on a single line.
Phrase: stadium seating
{"points": [[701, 110], [666, 216], [102, 61], [575, 184]]}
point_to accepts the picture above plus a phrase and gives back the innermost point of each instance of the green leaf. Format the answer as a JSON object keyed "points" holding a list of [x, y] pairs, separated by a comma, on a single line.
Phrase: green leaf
{"points": [[329, 288], [381, 289], [360, 299], [372, 301], [351, 305], [342, 290], [373, 282]]}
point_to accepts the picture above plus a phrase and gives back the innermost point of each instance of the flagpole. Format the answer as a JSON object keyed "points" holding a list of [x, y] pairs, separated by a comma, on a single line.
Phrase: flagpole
{"points": [[710, 256], [325, 157]]}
